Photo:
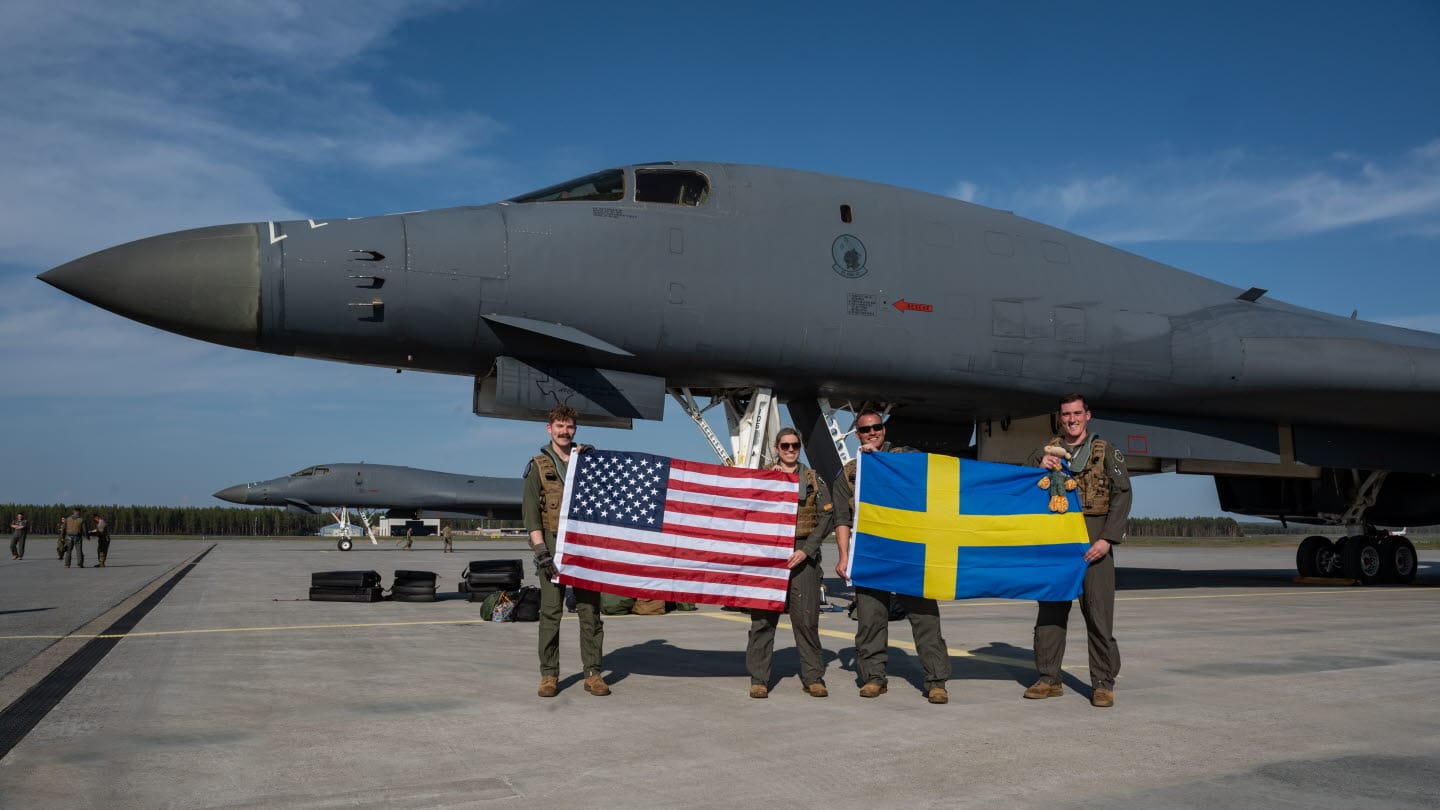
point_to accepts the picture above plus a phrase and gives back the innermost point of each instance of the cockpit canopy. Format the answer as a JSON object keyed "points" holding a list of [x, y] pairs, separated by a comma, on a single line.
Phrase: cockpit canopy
{"points": [[311, 471], [672, 186]]}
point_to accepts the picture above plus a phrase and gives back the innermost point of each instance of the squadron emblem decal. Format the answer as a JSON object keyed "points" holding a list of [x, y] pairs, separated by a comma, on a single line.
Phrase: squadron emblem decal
{"points": [[849, 255]]}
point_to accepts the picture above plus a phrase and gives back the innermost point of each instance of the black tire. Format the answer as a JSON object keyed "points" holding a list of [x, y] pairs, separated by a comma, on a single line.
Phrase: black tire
{"points": [[1362, 560], [1398, 560], [413, 589], [414, 597], [416, 576], [344, 544], [1307, 561], [334, 595]]}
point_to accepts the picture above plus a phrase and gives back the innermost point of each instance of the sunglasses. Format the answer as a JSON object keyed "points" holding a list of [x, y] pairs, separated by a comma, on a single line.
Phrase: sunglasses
{"points": [[789, 445], [869, 428]]}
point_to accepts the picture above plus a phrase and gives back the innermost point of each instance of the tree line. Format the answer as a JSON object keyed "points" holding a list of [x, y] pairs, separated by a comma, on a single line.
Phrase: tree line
{"points": [[1187, 527], [225, 521], [199, 520]]}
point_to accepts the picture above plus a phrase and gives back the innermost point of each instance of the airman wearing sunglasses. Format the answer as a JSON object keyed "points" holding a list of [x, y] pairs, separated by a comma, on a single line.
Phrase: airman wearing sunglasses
{"points": [[814, 520], [872, 607]]}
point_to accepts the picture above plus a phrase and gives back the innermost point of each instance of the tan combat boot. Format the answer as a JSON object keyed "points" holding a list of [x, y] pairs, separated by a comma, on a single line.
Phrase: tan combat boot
{"points": [[873, 689], [938, 695], [817, 690], [595, 685], [549, 686], [1103, 698], [1044, 689], [758, 690]]}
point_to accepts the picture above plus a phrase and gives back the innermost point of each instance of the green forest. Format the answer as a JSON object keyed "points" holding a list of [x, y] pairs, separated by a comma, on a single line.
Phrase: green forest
{"points": [[224, 521]]}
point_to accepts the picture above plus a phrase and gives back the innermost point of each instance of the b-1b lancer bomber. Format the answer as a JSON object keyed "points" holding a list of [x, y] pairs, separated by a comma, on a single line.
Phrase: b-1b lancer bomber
{"points": [[745, 286], [399, 491]]}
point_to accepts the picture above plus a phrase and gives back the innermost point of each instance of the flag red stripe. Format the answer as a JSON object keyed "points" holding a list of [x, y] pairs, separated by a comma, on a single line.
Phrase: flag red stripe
{"points": [[732, 492], [673, 595], [702, 533], [674, 574], [729, 513], [675, 552], [733, 472]]}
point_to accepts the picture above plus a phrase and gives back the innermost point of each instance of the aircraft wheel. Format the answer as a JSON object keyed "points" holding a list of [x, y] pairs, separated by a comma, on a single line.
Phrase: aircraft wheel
{"points": [[413, 589], [1327, 560], [344, 544], [1397, 558], [1362, 559], [1307, 557], [428, 597]]}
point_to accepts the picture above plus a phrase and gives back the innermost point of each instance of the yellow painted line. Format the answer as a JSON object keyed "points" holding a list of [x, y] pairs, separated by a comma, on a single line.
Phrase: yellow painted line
{"points": [[1348, 591], [475, 620]]}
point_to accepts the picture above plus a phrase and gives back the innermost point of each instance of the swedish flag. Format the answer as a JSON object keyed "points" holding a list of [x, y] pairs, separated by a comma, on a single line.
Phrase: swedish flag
{"points": [[949, 528]]}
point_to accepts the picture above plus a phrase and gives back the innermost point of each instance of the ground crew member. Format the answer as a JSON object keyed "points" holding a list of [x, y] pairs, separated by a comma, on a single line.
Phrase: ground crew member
{"points": [[409, 538], [872, 611], [20, 528], [60, 540], [544, 489], [449, 538], [74, 530], [814, 520], [1104, 489], [101, 531]]}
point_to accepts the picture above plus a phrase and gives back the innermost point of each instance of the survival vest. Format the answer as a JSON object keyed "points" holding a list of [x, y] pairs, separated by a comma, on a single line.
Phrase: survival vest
{"points": [[74, 525], [1092, 484], [851, 467], [552, 490], [807, 517], [552, 487]]}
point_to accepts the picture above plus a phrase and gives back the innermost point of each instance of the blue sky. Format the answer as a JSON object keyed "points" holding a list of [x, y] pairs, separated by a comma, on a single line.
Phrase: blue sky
{"points": [[1291, 146]]}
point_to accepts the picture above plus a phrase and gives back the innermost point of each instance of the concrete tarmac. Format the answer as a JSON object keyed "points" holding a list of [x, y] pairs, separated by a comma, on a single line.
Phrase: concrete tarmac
{"points": [[1238, 688]]}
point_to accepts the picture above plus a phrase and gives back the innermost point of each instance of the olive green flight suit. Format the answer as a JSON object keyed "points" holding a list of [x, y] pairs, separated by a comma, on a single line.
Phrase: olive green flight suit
{"points": [[1097, 595], [872, 609], [74, 528], [552, 597], [803, 600]]}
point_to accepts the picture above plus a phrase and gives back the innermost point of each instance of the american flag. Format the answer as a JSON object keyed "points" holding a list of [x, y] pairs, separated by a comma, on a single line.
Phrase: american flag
{"points": [[635, 524]]}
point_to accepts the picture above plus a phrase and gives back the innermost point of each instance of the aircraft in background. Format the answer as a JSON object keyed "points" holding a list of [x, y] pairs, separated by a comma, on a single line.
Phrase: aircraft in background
{"points": [[372, 488], [752, 286]]}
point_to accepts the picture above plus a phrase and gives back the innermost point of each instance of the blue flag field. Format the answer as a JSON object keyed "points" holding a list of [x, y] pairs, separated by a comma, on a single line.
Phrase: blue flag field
{"points": [[949, 528]]}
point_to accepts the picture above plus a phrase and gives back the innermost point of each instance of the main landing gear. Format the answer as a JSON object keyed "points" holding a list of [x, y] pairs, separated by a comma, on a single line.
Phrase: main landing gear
{"points": [[1373, 557], [343, 518], [1370, 556]]}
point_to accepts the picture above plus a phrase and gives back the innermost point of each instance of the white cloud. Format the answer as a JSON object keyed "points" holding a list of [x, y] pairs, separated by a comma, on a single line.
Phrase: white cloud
{"points": [[128, 119], [1236, 196], [965, 190]]}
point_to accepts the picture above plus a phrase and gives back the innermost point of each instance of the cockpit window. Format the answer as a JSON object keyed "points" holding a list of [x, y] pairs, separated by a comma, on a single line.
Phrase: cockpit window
{"points": [[606, 185], [311, 471], [671, 186]]}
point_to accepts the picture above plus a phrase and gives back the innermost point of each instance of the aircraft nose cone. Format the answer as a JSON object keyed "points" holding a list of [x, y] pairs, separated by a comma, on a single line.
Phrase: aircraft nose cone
{"points": [[235, 494], [203, 283]]}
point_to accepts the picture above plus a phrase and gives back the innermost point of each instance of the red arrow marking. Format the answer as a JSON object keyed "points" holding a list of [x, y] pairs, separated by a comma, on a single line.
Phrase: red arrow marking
{"points": [[904, 305]]}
